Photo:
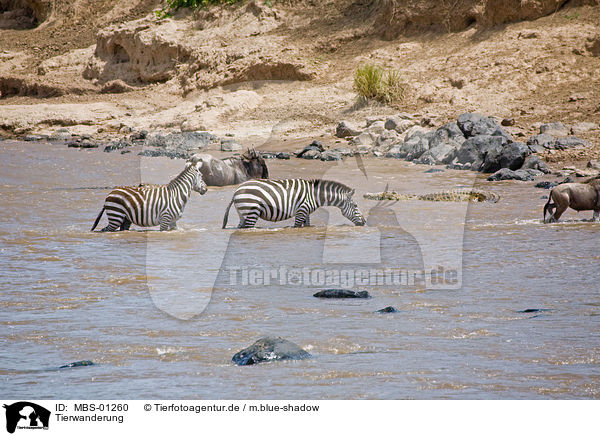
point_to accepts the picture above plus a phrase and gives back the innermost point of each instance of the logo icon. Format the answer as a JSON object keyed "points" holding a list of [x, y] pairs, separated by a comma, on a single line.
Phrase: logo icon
{"points": [[26, 415]]}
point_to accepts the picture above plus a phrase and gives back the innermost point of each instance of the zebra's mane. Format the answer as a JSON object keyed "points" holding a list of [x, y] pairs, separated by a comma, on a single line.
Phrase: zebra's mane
{"points": [[345, 189], [149, 185]]}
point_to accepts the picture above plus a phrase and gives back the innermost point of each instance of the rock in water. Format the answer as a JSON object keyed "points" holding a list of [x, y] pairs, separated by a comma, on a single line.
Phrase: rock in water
{"points": [[533, 310], [341, 293], [330, 155], [78, 363], [546, 185], [389, 309], [267, 349], [311, 151]]}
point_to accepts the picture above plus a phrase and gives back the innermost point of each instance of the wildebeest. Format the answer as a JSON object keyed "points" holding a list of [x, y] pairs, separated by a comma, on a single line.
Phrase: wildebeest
{"points": [[233, 170], [578, 196]]}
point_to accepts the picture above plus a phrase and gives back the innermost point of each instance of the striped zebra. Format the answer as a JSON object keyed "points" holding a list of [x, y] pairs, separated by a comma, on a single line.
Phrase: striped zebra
{"points": [[277, 200], [151, 205]]}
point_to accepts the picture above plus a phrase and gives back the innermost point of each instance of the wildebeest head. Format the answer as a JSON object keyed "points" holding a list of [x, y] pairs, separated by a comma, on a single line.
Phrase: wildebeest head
{"points": [[255, 164]]}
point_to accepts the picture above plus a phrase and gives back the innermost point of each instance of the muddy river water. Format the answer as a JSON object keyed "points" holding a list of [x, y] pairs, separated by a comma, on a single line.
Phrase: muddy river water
{"points": [[162, 313]]}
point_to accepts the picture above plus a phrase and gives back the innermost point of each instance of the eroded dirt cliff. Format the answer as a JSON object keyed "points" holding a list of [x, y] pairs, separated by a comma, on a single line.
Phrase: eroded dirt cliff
{"points": [[284, 69]]}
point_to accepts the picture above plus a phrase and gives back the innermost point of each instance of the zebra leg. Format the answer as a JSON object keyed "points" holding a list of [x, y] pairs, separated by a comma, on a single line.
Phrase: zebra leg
{"points": [[249, 221], [302, 218], [114, 225], [165, 226], [125, 224]]}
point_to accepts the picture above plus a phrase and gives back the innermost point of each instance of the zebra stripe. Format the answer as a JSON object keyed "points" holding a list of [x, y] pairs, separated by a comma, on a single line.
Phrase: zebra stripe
{"points": [[278, 200], [152, 205]]}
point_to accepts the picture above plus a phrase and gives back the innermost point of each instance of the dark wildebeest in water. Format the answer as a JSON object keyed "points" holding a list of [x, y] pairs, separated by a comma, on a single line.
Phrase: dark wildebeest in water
{"points": [[233, 170], [578, 196]]}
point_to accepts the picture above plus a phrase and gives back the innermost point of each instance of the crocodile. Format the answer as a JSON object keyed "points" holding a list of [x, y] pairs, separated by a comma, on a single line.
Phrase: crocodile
{"points": [[465, 194]]}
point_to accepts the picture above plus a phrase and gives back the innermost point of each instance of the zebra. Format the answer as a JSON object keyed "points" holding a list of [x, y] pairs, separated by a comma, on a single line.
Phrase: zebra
{"points": [[277, 200], [151, 205]]}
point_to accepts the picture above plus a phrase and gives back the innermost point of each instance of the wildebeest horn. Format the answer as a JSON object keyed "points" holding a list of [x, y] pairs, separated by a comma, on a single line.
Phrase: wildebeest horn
{"points": [[194, 159]]}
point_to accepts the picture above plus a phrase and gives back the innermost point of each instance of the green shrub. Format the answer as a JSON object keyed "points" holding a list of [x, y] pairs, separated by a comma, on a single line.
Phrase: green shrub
{"points": [[192, 4], [374, 83]]}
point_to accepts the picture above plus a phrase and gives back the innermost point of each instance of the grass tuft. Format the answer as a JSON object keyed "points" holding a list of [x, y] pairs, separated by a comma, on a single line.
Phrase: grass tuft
{"points": [[372, 82]]}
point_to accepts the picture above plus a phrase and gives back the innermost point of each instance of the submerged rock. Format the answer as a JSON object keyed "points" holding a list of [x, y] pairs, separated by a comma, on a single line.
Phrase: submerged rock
{"points": [[533, 310], [389, 309], [86, 143], [78, 363], [341, 293], [30, 138], [267, 349]]}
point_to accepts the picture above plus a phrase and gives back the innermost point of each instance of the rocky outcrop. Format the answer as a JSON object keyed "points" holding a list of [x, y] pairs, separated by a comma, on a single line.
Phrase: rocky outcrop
{"points": [[268, 349], [474, 142], [474, 195]]}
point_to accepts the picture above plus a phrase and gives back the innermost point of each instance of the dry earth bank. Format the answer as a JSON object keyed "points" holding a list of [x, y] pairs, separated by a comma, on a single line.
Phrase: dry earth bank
{"points": [[284, 71]]}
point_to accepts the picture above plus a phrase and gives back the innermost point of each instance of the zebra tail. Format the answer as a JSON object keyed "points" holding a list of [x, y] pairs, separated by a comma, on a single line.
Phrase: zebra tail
{"points": [[98, 219], [226, 217]]}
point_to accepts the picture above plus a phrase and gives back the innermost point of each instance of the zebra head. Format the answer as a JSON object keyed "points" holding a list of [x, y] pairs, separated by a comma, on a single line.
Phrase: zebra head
{"points": [[198, 184], [350, 210]]}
